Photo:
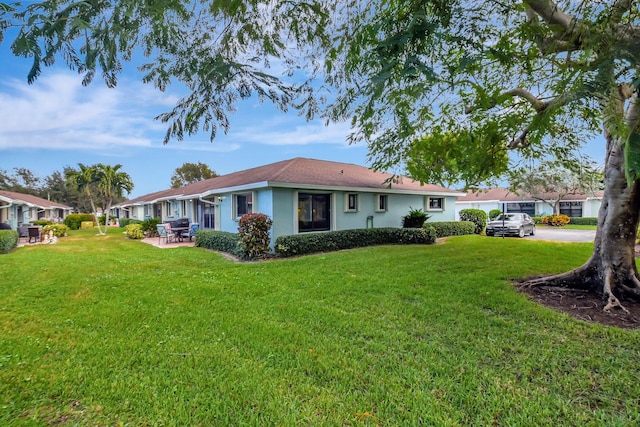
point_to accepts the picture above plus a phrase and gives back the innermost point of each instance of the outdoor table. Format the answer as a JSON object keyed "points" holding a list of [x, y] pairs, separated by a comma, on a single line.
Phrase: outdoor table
{"points": [[178, 232]]}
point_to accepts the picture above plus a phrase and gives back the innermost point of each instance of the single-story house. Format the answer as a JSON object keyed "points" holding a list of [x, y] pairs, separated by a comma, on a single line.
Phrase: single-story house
{"points": [[300, 195], [17, 209], [573, 205]]}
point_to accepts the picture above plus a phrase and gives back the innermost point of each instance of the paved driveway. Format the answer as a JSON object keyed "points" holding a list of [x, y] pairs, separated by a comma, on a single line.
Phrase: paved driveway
{"points": [[563, 235]]}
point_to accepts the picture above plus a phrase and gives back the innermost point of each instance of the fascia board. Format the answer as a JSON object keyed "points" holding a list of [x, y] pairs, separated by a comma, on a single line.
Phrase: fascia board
{"points": [[362, 189]]}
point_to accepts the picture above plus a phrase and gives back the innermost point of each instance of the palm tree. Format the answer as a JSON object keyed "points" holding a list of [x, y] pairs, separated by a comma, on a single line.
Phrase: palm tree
{"points": [[105, 181], [83, 180], [112, 183]]}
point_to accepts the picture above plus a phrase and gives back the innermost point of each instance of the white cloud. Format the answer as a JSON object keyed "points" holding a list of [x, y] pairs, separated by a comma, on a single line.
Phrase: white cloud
{"points": [[285, 131], [57, 112]]}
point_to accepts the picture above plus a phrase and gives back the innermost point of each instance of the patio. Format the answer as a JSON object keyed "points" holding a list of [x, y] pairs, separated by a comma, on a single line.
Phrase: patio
{"points": [[154, 241]]}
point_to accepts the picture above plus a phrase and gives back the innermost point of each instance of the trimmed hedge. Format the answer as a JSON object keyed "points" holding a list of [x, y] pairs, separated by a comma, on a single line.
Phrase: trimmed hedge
{"points": [[477, 216], [493, 213], [73, 221], [123, 222], [8, 240], [452, 228], [219, 241], [307, 243], [584, 221]]}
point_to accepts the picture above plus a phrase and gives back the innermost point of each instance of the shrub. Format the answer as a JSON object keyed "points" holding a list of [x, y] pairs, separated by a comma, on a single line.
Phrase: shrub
{"points": [[123, 222], [559, 220], [493, 213], [102, 218], [219, 241], [584, 221], [254, 234], [452, 228], [73, 221], [42, 222], [59, 230], [149, 226], [477, 216], [8, 240], [307, 243], [537, 219], [134, 231], [415, 218]]}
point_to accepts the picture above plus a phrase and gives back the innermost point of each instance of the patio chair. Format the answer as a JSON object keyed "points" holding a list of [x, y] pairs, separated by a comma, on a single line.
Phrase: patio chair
{"points": [[164, 232], [193, 228]]}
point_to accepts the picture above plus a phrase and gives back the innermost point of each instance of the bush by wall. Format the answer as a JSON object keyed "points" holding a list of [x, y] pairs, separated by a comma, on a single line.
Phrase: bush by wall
{"points": [[73, 221], [8, 240], [41, 222], [477, 216], [219, 241], [254, 229], [537, 219], [556, 220], [493, 213], [415, 218], [134, 231], [59, 230], [149, 226], [307, 243], [584, 221], [452, 228], [123, 222]]}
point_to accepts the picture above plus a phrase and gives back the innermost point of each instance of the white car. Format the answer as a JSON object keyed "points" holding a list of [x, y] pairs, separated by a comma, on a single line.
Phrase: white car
{"points": [[514, 224]]}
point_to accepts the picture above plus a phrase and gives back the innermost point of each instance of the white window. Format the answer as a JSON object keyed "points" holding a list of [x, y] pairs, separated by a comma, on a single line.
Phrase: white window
{"points": [[435, 204], [243, 204], [382, 201], [351, 202]]}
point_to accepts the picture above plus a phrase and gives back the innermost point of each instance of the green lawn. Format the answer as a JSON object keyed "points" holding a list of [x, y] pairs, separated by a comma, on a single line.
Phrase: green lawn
{"points": [[107, 331]]}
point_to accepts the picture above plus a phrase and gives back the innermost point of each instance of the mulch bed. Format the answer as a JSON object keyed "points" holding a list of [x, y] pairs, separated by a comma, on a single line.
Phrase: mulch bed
{"points": [[584, 306]]}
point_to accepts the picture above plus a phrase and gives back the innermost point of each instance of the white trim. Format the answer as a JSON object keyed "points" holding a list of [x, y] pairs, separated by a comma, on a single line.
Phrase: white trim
{"points": [[428, 204], [234, 204], [377, 203], [347, 199]]}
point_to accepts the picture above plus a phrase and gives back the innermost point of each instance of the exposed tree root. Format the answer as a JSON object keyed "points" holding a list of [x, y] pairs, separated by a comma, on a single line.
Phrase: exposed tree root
{"points": [[588, 279]]}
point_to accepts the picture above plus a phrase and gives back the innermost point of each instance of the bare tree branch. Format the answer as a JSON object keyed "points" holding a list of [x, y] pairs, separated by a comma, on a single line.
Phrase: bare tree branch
{"points": [[551, 14]]}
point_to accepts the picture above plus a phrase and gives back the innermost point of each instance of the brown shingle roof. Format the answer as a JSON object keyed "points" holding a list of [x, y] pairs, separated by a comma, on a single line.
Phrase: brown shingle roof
{"points": [[32, 200], [304, 172], [504, 195]]}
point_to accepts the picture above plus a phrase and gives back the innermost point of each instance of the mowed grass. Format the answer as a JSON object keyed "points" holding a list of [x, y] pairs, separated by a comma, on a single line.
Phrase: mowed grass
{"points": [[108, 331]]}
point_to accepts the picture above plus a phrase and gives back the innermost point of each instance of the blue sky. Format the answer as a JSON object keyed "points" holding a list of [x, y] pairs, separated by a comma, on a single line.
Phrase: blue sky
{"points": [[56, 122]]}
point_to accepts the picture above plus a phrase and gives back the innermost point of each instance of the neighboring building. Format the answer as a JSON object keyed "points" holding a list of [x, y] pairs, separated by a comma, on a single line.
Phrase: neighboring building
{"points": [[573, 205], [18, 208], [300, 195]]}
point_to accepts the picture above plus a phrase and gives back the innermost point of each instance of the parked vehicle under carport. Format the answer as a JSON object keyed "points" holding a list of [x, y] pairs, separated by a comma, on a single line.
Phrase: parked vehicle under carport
{"points": [[511, 224]]}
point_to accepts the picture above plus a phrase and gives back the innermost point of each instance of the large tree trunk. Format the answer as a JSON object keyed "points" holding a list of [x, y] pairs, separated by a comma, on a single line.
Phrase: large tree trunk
{"points": [[611, 271]]}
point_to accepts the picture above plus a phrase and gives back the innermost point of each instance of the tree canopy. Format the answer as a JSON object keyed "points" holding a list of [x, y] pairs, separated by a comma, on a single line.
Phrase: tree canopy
{"points": [[551, 182], [189, 173]]}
